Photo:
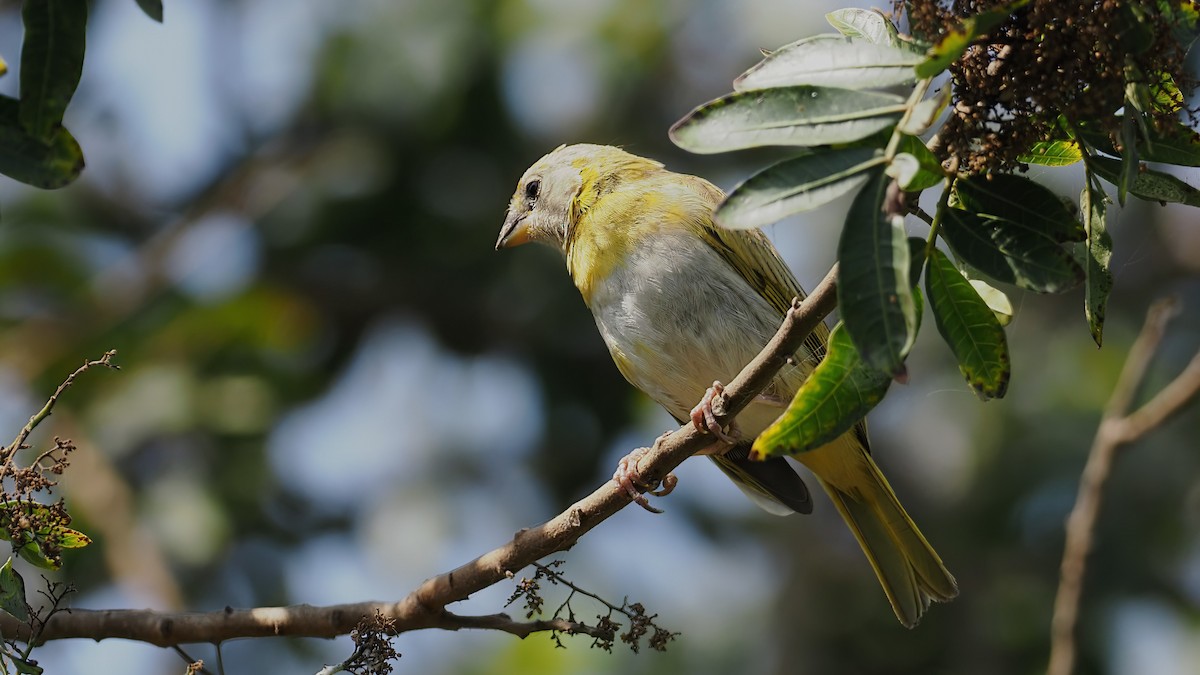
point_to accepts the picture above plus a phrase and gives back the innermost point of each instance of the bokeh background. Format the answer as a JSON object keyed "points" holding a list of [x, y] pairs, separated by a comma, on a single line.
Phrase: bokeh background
{"points": [[333, 387]]}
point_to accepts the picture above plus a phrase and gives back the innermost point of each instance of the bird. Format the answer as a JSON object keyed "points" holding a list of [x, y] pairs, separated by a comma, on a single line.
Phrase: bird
{"points": [[682, 305]]}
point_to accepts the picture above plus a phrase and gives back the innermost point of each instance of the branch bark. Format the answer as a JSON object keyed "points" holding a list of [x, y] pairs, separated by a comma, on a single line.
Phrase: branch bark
{"points": [[1118, 427], [425, 607]]}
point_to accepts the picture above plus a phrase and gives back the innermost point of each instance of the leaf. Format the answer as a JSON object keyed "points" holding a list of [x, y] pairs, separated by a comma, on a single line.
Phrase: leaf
{"points": [[29, 160], [1010, 252], [51, 62], [874, 295], [1182, 15], [941, 55], [864, 23], [996, 300], [786, 116], [1154, 186], [1178, 144], [55, 533], [25, 667], [924, 113], [916, 254], [12, 592], [152, 8], [1099, 254], [1129, 158], [1020, 200], [3, 66], [33, 554], [1052, 153], [795, 185], [929, 170], [833, 61], [68, 538], [1165, 96], [968, 327], [840, 392]]}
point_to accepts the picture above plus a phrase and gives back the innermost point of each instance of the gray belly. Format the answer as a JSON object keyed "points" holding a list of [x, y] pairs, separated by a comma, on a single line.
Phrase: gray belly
{"points": [[676, 328]]}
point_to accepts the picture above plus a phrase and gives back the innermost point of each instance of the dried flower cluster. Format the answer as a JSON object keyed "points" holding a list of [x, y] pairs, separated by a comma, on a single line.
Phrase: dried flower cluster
{"points": [[605, 632], [1054, 62]]}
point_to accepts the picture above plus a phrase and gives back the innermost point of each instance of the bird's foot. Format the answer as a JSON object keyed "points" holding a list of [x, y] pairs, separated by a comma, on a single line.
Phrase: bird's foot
{"points": [[630, 479], [704, 419]]}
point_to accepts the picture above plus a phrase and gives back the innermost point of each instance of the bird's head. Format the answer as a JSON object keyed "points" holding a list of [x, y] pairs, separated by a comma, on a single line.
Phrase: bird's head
{"points": [[554, 192]]}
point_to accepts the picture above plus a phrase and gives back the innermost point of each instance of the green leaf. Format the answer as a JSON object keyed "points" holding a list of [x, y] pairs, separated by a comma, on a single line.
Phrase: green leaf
{"points": [[865, 23], [65, 537], [1129, 158], [1178, 144], [1183, 16], [968, 325], [1052, 153], [831, 61], [996, 300], [929, 170], [25, 667], [12, 592], [941, 55], [795, 185], [1010, 252], [925, 112], [840, 392], [51, 62], [48, 165], [32, 548], [1020, 200], [1099, 253], [1153, 186], [916, 255], [1137, 33], [786, 116], [152, 8], [33, 554], [874, 296], [1165, 96]]}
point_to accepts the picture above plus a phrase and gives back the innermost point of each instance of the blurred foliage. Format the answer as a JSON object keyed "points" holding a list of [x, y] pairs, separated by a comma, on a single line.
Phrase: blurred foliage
{"points": [[332, 385]]}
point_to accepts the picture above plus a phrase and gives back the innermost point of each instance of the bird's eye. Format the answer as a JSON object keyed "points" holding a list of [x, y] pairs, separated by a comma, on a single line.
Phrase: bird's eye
{"points": [[531, 190]]}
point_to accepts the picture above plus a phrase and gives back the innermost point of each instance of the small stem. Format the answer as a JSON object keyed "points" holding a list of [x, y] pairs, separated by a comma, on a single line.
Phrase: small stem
{"points": [[7, 455], [558, 578], [910, 105], [936, 223]]}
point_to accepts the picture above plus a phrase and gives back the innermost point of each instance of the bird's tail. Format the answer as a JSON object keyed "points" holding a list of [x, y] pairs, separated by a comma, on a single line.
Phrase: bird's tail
{"points": [[910, 571]]}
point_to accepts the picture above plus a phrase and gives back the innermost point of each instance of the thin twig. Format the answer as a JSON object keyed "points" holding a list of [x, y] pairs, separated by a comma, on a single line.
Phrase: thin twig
{"points": [[425, 606], [19, 442], [1118, 427], [187, 658]]}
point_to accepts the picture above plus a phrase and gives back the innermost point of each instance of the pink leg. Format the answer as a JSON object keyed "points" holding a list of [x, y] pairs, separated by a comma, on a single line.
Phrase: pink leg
{"points": [[704, 419], [628, 478]]}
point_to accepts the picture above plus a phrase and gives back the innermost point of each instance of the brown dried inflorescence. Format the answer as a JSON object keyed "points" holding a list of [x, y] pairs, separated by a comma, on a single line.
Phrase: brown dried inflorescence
{"points": [[1051, 59]]}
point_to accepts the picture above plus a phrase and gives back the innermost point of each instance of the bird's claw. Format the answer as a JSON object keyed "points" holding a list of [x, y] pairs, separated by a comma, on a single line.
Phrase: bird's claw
{"points": [[629, 479], [704, 419]]}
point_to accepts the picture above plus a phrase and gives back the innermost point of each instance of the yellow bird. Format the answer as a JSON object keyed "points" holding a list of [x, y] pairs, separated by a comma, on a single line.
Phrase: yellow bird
{"points": [[683, 305]]}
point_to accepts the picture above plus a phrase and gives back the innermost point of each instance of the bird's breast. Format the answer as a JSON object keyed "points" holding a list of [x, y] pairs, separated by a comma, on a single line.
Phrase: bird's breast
{"points": [[676, 317]]}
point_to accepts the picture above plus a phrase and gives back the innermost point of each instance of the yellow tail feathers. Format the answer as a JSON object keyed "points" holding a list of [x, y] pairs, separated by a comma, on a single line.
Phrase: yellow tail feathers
{"points": [[910, 571]]}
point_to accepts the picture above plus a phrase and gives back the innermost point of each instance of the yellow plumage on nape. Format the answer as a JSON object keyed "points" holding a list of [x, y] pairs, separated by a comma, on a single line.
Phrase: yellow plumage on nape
{"points": [[683, 305]]}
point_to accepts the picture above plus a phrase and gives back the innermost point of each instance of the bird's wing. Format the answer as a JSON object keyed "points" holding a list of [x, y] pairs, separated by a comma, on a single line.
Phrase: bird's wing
{"points": [[757, 261]]}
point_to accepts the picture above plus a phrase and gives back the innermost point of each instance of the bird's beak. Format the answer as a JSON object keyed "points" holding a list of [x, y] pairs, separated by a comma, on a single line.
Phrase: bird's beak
{"points": [[515, 231]]}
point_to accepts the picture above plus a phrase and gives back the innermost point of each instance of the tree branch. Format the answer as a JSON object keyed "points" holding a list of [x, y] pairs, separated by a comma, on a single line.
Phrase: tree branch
{"points": [[1118, 427], [425, 606]]}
